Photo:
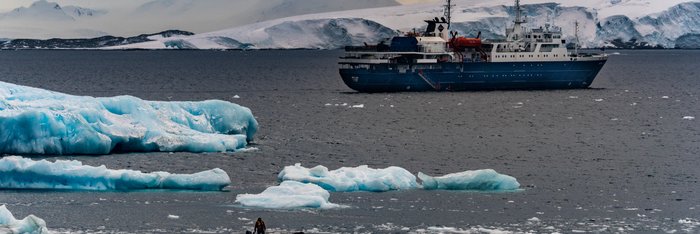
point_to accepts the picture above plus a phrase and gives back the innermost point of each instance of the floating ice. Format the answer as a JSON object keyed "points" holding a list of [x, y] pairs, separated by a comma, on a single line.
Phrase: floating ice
{"points": [[289, 195], [22, 173], [486, 179], [31, 224], [349, 179], [688, 117], [37, 121]]}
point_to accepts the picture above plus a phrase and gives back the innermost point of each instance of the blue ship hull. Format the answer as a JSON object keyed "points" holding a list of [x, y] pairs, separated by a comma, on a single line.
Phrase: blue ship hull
{"points": [[470, 76]]}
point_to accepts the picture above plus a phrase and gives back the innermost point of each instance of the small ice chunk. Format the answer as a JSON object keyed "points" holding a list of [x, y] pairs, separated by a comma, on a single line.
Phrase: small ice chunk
{"points": [[22, 173], [533, 219], [665, 97], [573, 97], [599, 100], [487, 179], [688, 117], [358, 106], [236, 97], [328, 104], [289, 195], [173, 217], [349, 179], [30, 224]]}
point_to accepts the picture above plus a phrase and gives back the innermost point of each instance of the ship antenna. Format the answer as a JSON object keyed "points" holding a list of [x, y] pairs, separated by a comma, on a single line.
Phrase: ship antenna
{"points": [[448, 12]]}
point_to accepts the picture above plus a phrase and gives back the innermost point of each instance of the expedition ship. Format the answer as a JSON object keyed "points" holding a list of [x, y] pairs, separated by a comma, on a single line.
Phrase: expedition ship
{"points": [[440, 60]]}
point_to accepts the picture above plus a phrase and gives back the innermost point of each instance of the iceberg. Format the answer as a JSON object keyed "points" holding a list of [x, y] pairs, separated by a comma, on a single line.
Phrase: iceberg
{"points": [[289, 195], [31, 224], [487, 180], [22, 173], [349, 179], [37, 121]]}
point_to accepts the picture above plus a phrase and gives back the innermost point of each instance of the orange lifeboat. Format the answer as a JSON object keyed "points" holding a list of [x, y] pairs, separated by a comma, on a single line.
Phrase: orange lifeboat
{"points": [[463, 42]]}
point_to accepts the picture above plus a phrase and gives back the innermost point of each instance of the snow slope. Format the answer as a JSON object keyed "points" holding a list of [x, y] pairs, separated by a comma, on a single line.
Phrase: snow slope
{"points": [[37, 121], [601, 21], [23, 173]]}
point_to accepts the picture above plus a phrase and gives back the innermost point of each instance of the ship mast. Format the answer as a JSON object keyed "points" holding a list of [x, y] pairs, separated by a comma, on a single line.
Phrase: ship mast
{"points": [[448, 12], [518, 14], [577, 41], [517, 27]]}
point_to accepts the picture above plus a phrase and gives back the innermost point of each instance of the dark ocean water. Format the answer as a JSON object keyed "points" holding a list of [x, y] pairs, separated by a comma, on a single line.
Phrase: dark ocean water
{"points": [[618, 157]]}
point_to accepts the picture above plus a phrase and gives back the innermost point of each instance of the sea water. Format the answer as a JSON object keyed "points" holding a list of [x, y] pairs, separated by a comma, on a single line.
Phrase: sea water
{"points": [[618, 157]]}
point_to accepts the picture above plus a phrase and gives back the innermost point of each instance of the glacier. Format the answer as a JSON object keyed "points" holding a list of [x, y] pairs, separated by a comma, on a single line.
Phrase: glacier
{"points": [[37, 121], [485, 180], [23, 173], [349, 179], [289, 195], [30, 225], [623, 23]]}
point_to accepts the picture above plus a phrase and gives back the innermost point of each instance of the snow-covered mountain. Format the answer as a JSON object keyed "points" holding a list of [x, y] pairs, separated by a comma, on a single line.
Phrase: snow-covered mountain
{"points": [[667, 23], [45, 19], [211, 15], [78, 12], [38, 11]]}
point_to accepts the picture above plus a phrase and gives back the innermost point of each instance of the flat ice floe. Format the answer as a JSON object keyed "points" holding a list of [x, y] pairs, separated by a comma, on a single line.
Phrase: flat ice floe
{"points": [[349, 179], [488, 180], [37, 121], [289, 195], [31, 224], [22, 173]]}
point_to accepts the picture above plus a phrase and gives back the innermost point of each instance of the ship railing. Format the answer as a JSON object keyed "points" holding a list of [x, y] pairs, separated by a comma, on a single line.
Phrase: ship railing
{"points": [[382, 49], [367, 48]]}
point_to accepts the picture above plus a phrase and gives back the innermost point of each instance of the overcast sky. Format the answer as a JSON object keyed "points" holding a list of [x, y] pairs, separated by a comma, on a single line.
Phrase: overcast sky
{"points": [[7, 5]]}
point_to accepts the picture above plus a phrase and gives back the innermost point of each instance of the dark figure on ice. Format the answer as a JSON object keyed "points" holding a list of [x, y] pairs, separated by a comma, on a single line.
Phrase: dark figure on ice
{"points": [[259, 227]]}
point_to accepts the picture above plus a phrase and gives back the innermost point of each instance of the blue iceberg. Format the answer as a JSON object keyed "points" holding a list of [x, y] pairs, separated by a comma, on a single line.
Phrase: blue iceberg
{"points": [[31, 224], [289, 195], [22, 173], [37, 121], [485, 180], [349, 179]]}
